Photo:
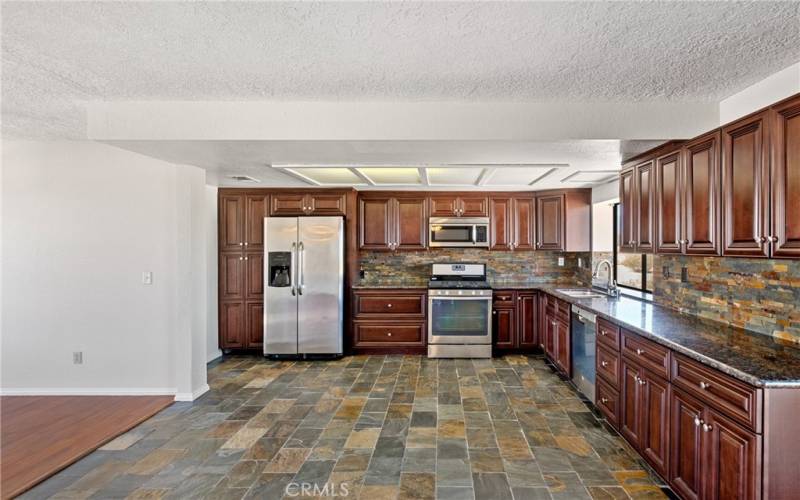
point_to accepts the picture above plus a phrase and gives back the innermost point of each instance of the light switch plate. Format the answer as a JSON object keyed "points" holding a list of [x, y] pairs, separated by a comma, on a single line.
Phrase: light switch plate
{"points": [[147, 277], [77, 358]]}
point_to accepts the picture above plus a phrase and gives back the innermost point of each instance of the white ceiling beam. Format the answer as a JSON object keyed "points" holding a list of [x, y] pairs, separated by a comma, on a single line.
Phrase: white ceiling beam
{"points": [[364, 177], [423, 176], [299, 176], [543, 176], [486, 174]]}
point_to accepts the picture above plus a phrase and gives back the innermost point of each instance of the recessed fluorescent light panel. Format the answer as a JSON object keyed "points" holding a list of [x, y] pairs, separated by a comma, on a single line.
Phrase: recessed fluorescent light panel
{"points": [[331, 176], [591, 176], [454, 176], [391, 175], [512, 176]]}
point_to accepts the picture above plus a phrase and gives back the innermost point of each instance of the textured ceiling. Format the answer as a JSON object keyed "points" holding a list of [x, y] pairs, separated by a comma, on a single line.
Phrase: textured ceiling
{"points": [[57, 55]]}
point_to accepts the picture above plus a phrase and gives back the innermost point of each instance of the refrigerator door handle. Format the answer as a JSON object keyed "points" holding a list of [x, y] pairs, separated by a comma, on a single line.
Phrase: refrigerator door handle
{"points": [[301, 262], [293, 266]]}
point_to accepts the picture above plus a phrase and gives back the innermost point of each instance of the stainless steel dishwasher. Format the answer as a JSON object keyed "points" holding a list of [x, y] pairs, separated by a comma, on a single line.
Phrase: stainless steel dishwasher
{"points": [[583, 335]]}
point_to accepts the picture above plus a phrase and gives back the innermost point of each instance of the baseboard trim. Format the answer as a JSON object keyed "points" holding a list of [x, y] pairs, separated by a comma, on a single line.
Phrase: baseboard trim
{"points": [[71, 391], [191, 396]]}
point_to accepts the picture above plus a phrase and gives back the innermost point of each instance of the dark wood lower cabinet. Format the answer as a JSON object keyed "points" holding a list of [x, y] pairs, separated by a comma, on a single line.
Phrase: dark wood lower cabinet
{"points": [[685, 450], [732, 456], [504, 327], [527, 314], [389, 320], [515, 320]]}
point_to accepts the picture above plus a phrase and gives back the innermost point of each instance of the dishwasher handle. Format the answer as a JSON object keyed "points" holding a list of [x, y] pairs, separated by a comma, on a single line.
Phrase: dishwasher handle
{"points": [[583, 315]]}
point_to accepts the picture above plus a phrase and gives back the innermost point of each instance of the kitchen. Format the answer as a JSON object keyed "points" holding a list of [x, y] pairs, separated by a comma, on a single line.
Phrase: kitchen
{"points": [[400, 250]]}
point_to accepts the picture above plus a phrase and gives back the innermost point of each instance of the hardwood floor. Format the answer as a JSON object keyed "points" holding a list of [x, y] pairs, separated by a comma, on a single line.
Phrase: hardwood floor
{"points": [[43, 434]]}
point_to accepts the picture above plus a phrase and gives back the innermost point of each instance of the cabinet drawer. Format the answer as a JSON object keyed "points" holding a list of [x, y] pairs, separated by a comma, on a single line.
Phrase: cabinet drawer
{"points": [[563, 311], [736, 399], [384, 334], [608, 365], [608, 334], [608, 402], [410, 305], [646, 353], [503, 298]]}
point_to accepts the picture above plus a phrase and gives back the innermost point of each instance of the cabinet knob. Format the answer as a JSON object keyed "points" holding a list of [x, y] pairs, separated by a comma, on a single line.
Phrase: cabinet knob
{"points": [[704, 385], [774, 239], [642, 381], [604, 363], [604, 400], [519, 298], [697, 421], [389, 305], [538, 245], [639, 352], [708, 427], [245, 258], [241, 258], [245, 243], [389, 334], [603, 333], [494, 312], [761, 239], [241, 244]]}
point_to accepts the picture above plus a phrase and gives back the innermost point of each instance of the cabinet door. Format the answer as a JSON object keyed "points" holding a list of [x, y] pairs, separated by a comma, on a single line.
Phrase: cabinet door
{"points": [[411, 223], [231, 275], [654, 427], [288, 204], [744, 190], [326, 204], [501, 230], [627, 219], [563, 348], [550, 230], [527, 305], [644, 196], [231, 325], [523, 223], [375, 228], [630, 420], [731, 459], [444, 206], [701, 199], [255, 211], [473, 206], [254, 275], [785, 135], [685, 450], [255, 325], [231, 222], [504, 328], [668, 203]]}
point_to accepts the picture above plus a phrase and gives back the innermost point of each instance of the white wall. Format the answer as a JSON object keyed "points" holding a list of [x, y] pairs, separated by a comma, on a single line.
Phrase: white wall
{"points": [[763, 93], [81, 222], [212, 312], [603, 226]]}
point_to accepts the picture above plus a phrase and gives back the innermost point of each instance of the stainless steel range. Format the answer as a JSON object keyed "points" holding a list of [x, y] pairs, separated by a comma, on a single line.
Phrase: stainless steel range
{"points": [[459, 311]]}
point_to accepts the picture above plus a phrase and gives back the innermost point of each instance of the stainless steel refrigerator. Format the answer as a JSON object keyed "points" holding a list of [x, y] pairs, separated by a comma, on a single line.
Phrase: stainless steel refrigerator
{"points": [[304, 292]]}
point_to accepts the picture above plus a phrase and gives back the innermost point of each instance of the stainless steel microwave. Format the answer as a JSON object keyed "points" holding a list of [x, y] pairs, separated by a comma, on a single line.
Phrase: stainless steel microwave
{"points": [[458, 232]]}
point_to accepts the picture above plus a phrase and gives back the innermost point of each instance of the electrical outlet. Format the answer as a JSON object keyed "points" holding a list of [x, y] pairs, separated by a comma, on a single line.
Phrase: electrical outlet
{"points": [[580, 262], [561, 261], [665, 271], [147, 277], [684, 275], [77, 358]]}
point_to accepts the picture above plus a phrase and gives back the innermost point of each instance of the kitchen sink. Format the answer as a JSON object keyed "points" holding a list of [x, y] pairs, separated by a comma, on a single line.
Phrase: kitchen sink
{"points": [[581, 293]]}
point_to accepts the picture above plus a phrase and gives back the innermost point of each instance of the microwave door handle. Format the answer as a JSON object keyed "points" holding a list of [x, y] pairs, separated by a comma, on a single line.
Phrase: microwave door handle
{"points": [[474, 234]]}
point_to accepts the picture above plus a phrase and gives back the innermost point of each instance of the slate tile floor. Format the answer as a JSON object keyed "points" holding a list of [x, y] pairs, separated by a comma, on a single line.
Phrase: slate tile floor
{"points": [[374, 427]]}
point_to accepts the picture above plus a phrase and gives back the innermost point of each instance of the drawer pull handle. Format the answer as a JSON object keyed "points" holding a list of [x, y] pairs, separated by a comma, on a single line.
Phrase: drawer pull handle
{"points": [[639, 352], [389, 334], [603, 333], [494, 312], [604, 400], [697, 421], [642, 381], [389, 305], [704, 385], [707, 427], [604, 363]]}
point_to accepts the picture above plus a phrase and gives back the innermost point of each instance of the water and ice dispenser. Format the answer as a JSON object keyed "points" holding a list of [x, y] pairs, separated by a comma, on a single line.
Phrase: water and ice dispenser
{"points": [[280, 269]]}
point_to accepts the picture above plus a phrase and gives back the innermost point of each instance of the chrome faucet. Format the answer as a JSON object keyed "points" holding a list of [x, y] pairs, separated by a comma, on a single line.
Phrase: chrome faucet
{"points": [[611, 284]]}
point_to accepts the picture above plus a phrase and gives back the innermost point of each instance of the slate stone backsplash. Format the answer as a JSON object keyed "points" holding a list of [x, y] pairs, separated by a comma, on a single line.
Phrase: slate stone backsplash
{"points": [[413, 268], [761, 295]]}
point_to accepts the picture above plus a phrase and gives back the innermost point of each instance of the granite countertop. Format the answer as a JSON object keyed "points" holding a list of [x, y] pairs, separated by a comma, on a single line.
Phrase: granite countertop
{"points": [[757, 359]]}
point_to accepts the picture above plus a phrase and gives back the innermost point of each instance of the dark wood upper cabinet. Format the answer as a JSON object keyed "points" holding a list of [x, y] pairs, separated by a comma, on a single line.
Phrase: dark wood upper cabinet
{"points": [[231, 222], [686, 458], [701, 198], [375, 227], [288, 204], [411, 223], [390, 223], [669, 214], [627, 219], [326, 204], [255, 211], [785, 175], [550, 222], [459, 206], [523, 210], [304, 203], [745, 187], [644, 207], [232, 275], [501, 233], [254, 274]]}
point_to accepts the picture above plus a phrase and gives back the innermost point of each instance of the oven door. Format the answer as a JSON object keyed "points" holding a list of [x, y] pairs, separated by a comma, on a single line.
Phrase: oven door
{"points": [[459, 320]]}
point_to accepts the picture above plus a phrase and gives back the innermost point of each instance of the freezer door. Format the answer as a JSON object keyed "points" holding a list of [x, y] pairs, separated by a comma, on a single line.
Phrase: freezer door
{"points": [[280, 301], [320, 281]]}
